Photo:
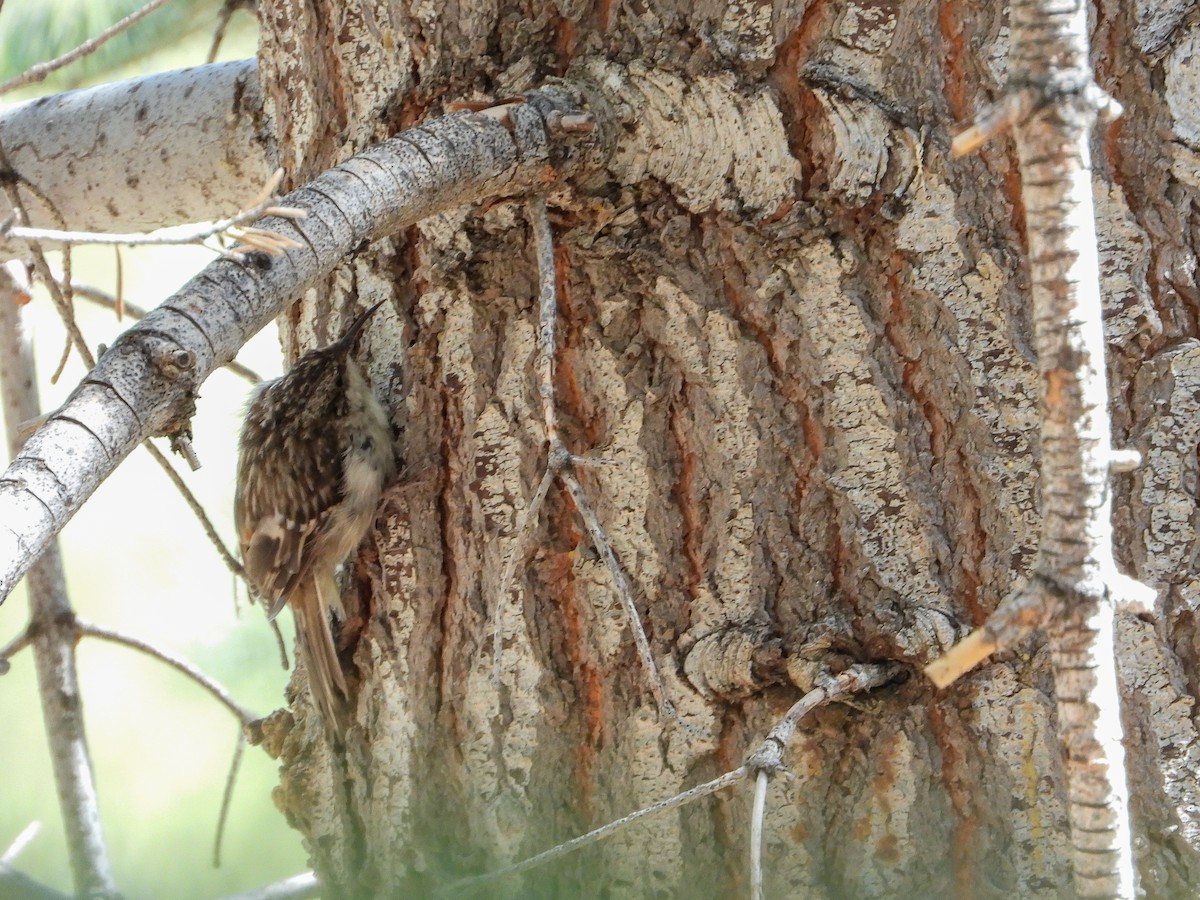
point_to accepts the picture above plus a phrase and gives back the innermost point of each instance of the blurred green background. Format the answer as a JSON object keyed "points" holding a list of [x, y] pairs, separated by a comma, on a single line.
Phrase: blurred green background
{"points": [[137, 560]]}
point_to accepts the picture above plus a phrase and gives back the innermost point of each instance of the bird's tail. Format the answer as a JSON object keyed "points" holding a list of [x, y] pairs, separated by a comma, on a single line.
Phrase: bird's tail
{"points": [[314, 638]]}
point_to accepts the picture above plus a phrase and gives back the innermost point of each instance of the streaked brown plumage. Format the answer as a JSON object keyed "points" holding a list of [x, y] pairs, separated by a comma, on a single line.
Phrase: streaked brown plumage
{"points": [[314, 457]]}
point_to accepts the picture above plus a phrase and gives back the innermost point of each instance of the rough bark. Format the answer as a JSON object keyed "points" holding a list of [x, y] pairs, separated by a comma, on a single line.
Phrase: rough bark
{"points": [[803, 332]]}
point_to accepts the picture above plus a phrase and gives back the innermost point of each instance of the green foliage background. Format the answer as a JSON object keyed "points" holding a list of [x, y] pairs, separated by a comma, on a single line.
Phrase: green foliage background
{"points": [[137, 561]]}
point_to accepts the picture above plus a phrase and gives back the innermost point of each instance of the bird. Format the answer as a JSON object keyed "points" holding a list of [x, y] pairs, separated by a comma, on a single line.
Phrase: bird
{"points": [[314, 456]]}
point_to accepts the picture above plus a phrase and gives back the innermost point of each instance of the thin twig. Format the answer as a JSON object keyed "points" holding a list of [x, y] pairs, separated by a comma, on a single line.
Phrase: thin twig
{"points": [[234, 227], [757, 814], [703, 790], [119, 304], [87, 629], [227, 795], [992, 121], [60, 295], [1016, 618], [767, 759], [559, 464], [63, 358], [857, 679], [295, 888], [223, 17], [281, 643], [20, 842], [15, 646], [190, 499], [624, 592], [41, 70]]}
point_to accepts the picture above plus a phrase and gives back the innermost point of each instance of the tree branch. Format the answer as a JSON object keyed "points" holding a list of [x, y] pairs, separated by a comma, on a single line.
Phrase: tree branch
{"points": [[1052, 105], [146, 383], [180, 145], [295, 888], [108, 301], [174, 235], [53, 639]]}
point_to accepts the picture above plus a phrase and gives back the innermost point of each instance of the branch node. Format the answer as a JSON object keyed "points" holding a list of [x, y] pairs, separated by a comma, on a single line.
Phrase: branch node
{"points": [[174, 361]]}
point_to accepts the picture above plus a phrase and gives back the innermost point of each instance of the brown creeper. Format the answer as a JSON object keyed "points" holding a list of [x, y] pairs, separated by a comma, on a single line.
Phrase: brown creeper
{"points": [[314, 457]]}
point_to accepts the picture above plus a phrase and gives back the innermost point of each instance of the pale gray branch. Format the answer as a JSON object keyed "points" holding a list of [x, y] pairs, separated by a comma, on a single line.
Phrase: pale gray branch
{"points": [[189, 233], [108, 301], [185, 145], [1052, 105], [145, 383], [295, 888], [53, 639]]}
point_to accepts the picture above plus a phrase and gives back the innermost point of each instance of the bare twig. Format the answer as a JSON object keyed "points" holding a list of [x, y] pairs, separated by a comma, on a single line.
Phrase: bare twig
{"points": [[234, 227], [857, 679], [41, 70], [1017, 617], [757, 814], [624, 592], [281, 643], [993, 121], [12, 648], [228, 8], [560, 463], [681, 799], [297, 887], [20, 842], [119, 305], [767, 759], [227, 795], [86, 629], [197, 509], [59, 294]]}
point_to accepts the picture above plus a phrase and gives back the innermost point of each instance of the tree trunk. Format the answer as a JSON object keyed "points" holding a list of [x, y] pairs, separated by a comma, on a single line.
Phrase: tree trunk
{"points": [[803, 334]]}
